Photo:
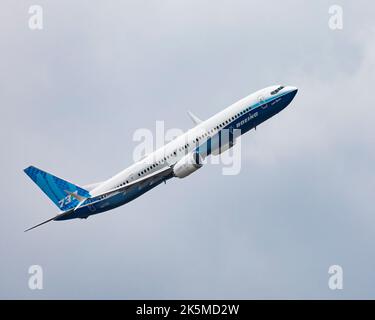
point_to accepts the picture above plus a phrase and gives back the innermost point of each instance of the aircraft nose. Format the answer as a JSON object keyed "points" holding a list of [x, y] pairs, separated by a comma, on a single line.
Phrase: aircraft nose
{"points": [[292, 91]]}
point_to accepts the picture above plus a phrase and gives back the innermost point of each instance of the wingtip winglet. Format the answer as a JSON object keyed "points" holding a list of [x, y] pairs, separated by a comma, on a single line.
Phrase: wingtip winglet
{"points": [[194, 118]]}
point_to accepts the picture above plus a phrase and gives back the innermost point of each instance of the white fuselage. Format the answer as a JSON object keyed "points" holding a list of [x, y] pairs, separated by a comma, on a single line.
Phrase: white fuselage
{"points": [[178, 158], [173, 151]]}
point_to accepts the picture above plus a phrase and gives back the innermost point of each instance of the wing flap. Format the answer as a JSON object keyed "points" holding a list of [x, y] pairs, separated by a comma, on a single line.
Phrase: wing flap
{"points": [[157, 174]]}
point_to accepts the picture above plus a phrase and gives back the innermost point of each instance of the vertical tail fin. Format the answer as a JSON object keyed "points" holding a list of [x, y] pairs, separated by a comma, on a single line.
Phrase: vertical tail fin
{"points": [[64, 195]]}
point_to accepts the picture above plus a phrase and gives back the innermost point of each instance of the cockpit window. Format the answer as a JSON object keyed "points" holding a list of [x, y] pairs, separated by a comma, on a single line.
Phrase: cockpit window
{"points": [[277, 90]]}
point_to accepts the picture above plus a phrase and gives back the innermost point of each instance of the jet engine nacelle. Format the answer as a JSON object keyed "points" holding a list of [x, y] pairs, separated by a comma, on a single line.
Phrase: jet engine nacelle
{"points": [[187, 165]]}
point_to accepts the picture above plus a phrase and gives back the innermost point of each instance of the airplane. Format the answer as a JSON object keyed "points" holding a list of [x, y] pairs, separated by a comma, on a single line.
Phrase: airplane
{"points": [[178, 158]]}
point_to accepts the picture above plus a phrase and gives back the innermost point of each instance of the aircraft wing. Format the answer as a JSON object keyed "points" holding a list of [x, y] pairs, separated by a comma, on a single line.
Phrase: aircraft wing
{"points": [[149, 179]]}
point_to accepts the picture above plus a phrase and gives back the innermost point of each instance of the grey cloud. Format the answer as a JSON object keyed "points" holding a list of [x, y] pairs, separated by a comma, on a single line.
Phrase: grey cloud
{"points": [[73, 94]]}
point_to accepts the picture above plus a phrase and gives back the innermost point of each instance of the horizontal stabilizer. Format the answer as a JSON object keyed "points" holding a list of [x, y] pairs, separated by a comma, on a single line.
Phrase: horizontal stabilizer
{"points": [[54, 218]]}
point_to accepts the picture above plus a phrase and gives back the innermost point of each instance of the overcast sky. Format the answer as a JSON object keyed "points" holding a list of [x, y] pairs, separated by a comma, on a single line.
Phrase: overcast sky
{"points": [[73, 94]]}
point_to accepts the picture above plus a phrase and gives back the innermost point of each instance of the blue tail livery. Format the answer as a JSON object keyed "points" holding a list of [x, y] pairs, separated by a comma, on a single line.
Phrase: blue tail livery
{"points": [[64, 195]]}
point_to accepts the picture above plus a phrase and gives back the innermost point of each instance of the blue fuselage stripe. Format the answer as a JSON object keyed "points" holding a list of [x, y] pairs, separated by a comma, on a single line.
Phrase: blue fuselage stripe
{"points": [[257, 113]]}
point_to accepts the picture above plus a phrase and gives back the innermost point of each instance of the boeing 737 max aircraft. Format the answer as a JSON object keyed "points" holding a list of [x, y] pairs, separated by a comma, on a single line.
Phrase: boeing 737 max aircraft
{"points": [[178, 158]]}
